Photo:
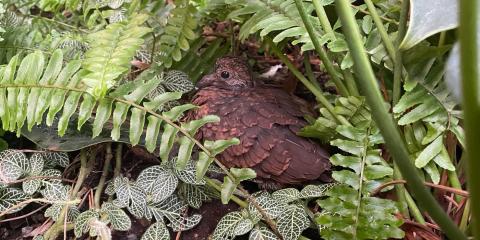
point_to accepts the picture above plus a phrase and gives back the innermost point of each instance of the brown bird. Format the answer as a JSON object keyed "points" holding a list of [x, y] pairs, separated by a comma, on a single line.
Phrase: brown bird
{"points": [[266, 121]]}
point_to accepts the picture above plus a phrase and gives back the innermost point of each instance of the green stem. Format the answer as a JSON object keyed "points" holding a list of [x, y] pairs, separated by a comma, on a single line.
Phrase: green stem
{"points": [[350, 81], [369, 87], [322, 16], [309, 72], [327, 27], [417, 214], [327, 62], [401, 191], [103, 178], [53, 232], [398, 66], [318, 94], [118, 164], [387, 42], [471, 104], [465, 216]]}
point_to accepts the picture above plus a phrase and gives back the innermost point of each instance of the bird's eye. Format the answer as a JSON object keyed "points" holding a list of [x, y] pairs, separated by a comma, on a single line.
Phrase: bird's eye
{"points": [[225, 74]]}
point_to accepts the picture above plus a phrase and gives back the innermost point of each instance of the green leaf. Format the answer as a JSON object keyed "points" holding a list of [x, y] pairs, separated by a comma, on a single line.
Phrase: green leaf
{"points": [[117, 217], [432, 150], [262, 233], [110, 53], [228, 187], [156, 231], [218, 146], [157, 181], [230, 224], [315, 191], [82, 222], [347, 177], [270, 206], [13, 165], [292, 222], [429, 17], [10, 197], [286, 195], [242, 174], [203, 163], [131, 195]]}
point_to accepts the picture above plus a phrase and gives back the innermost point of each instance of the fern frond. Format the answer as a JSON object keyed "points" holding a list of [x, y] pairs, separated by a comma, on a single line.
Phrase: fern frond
{"points": [[353, 109], [110, 53], [177, 34], [278, 16], [428, 111], [350, 203], [27, 92]]}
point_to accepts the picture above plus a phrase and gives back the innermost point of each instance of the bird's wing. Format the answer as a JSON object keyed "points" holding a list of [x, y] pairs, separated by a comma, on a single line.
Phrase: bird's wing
{"points": [[266, 123]]}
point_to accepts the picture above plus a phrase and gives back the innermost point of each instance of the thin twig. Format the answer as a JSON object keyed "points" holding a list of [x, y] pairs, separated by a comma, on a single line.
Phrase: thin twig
{"points": [[39, 177], [25, 215], [401, 181], [38, 200]]}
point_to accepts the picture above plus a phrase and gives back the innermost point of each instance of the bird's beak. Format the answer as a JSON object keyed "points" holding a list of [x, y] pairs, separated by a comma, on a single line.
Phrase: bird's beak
{"points": [[206, 81]]}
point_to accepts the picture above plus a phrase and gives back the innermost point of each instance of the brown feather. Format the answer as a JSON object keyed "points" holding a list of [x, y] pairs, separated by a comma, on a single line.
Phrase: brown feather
{"points": [[265, 120]]}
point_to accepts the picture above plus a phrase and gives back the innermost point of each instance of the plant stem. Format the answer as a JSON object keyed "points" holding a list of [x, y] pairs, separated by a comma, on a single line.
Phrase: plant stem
{"points": [[417, 214], [103, 178], [85, 168], [401, 192], [318, 94], [465, 216], [398, 66], [309, 72], [369, 87], [387, 42], [327, 62], [470, 81], [322, 16], [397, 82], [327, 27]]}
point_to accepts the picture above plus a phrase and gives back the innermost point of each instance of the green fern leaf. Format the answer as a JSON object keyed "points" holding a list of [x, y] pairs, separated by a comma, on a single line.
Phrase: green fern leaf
{"points": [[110, 53]]}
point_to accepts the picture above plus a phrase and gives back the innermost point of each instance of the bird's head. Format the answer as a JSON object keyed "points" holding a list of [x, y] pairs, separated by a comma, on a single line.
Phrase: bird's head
{"points": [[231, 73]]}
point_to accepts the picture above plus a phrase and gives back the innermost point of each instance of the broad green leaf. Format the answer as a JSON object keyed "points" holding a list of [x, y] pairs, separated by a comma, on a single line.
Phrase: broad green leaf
{"points": [[432, 150], [347, 177], [428, 17]]}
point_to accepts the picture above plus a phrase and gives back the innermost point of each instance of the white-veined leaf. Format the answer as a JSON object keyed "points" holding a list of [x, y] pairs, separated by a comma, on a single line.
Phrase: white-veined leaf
{"points": [[117, 217]]}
